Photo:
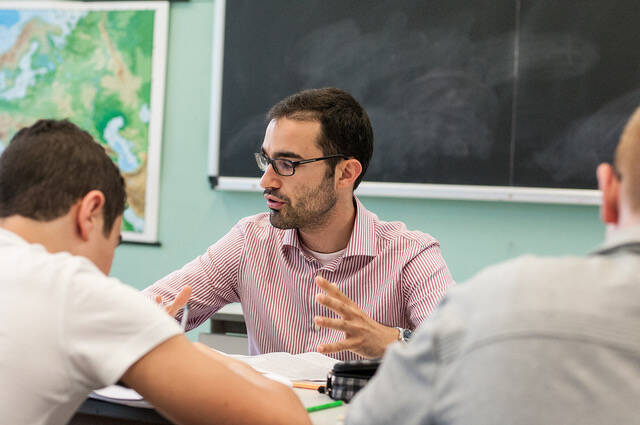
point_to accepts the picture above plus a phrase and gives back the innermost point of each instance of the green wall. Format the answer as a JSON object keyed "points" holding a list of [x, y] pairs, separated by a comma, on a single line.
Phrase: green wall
{"points": [[192, 216]]}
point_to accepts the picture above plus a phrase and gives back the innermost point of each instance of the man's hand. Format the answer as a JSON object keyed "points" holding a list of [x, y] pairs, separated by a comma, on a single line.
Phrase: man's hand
{"points": [[182, 298], [363, 335]]}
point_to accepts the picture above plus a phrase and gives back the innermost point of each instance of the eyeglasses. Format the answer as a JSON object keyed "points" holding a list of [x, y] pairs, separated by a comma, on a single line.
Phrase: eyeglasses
{"points": [[284, 167]]}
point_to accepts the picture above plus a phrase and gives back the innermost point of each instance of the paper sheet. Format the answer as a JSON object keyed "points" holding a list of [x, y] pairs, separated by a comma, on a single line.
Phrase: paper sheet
{"points": [[281, 367], [120, 395], [294, 367]]}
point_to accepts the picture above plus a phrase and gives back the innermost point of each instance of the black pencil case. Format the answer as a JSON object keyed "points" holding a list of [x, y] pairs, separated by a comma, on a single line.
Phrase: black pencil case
{"points": [[345, 379]]}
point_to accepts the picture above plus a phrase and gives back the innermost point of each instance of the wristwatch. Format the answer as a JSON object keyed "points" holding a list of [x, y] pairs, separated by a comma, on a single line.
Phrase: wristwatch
{"points": [[404, 335]]}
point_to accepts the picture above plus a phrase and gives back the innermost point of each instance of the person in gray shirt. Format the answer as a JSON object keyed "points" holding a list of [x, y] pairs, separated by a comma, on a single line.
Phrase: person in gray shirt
{"points": [[533, 340]]}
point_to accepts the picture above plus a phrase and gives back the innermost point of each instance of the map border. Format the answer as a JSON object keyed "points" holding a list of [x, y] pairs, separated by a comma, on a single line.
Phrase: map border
{"points": [[156, 107]]}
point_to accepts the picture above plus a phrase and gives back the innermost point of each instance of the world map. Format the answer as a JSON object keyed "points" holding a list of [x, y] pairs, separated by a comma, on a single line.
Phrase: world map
{"points": [[93, 67]]}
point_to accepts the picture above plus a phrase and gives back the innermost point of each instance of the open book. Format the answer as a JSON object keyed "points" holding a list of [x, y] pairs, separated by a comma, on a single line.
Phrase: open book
{"points": [[292, 367], [281, 367]]}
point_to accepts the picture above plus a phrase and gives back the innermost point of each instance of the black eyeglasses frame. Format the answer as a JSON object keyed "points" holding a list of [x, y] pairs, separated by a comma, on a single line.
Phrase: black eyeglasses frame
{"points": [[293, 164]]}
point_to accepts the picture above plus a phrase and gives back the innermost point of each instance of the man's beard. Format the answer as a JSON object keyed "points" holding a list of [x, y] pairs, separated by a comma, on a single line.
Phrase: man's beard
{"points": [[311, 209]]}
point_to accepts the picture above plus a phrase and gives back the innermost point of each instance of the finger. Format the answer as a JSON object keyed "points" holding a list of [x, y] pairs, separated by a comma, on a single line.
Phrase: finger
{"points": [[179, 302], [337, 324], [170, 310], [331, 289], [335, 347], [158, 299], [182, 297], [335, 304]]}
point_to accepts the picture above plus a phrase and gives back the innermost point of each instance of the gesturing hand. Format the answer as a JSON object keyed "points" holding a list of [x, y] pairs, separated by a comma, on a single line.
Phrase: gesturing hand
{"points": [[181, 299], [363, 335]]}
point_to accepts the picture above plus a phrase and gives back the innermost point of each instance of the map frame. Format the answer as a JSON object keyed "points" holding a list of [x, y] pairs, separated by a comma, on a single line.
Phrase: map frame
{"points": [[157, 92]]}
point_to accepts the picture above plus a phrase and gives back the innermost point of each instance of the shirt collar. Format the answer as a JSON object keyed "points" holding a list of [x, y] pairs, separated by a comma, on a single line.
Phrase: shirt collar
{"points": [[363, 236], [9, 236], [362, 241], [621, 236], [291, 239]]}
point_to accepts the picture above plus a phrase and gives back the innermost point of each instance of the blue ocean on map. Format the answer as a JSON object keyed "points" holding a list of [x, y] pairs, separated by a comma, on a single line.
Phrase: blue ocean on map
{"points": [[136, 222], [8, 18], [26, 77], [127, 161], [13, 20]]}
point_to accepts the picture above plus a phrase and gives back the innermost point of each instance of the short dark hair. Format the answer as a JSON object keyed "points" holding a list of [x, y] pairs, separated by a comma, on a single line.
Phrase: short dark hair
{"points": [[345, 125], [51, 165]]}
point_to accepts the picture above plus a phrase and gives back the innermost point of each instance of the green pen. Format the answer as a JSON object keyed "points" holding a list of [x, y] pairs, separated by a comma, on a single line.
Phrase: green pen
{"points": [[324, 406]]}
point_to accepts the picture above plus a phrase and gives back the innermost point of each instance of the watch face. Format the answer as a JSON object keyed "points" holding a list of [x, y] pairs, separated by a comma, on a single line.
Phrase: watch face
{"points": [[406, 334]]}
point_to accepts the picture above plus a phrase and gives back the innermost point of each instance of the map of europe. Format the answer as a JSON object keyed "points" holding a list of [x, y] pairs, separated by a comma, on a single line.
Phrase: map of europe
{"points": [[91, 66]]}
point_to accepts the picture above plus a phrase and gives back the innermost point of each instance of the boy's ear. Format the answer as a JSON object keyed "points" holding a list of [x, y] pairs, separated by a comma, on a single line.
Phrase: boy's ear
{"points": [[89, 214], [609, 186]]}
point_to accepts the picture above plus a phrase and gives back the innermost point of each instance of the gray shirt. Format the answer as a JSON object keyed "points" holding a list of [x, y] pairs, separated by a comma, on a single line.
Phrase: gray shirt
{"points": [[529, 341]]}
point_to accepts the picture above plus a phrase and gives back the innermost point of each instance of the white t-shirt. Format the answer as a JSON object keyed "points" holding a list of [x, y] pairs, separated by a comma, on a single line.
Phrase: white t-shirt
{"points": [[324, 258], [66, 329]]}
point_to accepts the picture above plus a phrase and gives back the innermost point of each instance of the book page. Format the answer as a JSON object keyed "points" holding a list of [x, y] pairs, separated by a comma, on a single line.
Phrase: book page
{"points": [[298, 367]]}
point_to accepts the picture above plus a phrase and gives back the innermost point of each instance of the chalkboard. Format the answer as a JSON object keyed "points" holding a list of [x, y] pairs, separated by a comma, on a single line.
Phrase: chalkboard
{"points": [[509, 93]]}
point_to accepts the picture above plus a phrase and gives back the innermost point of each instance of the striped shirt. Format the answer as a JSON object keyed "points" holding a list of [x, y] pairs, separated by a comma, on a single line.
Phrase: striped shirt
{"points": [[396, 276]]}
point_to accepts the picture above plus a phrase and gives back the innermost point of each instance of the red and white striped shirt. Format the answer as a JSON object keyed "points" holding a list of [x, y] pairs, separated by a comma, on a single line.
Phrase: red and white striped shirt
{"points": [[396, 276]]}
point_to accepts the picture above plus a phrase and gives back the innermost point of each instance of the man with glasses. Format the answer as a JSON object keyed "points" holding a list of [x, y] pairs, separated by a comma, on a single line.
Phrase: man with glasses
{"points": [[279, 264]]}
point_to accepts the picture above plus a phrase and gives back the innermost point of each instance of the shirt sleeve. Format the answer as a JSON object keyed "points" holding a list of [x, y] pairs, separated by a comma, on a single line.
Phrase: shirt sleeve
{"points": [[403, 389], [213, 277], [107, 326], [426, 279]]}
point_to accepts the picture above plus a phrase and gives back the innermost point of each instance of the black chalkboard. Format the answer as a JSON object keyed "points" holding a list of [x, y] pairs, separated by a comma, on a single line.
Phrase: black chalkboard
{"points": [[487, 92]]}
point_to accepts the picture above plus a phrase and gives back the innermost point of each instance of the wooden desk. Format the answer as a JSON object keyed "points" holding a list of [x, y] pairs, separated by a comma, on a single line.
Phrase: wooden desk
{"points": [[96, 412]]}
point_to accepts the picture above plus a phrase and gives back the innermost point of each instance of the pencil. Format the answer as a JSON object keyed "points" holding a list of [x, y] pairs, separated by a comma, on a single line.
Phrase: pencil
{"points": [[185, 317], [324, 406], [307, 385]]}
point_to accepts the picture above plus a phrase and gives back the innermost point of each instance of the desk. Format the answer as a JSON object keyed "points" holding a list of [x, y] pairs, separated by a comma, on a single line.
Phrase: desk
{"points": [[333, 416], [96, 412], [229, 318], [228, 331]]}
